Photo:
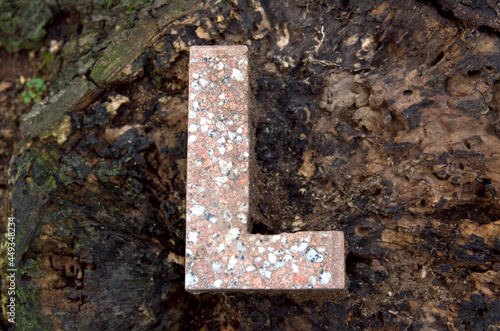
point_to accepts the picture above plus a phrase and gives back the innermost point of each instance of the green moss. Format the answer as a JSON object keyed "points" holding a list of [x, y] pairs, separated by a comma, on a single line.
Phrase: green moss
{"points": [[22, 23], [32, 268], [108, 169], [66, 175], [134, 5], [43, 169], [29, 197], [117, 61], [28, 310], [177, 7], [49, 185], [77, 246]]}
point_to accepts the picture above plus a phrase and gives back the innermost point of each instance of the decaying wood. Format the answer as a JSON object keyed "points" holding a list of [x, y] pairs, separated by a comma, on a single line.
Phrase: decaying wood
{"points": [[376, 118]]}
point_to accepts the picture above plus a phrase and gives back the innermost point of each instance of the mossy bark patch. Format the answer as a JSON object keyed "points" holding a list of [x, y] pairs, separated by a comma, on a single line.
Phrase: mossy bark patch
{"points": [[48, 114], [22, 23], [117, 62]]}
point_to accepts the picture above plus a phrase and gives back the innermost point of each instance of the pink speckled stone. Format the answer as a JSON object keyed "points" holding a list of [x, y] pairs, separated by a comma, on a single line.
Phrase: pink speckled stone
{"points": [[220, 253]]}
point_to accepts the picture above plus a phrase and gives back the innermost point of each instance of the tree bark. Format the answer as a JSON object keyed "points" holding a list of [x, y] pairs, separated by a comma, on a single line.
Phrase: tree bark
{"points": [[376, 118]]}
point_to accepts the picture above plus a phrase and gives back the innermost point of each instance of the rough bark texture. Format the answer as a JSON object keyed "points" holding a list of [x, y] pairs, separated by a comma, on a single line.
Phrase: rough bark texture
{"points": [[377, 118]]}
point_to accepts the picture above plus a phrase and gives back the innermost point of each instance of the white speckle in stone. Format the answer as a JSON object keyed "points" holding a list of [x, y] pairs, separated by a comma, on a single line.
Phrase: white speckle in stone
{"points": [[242, 218], [222, 96], [245, 154], [295, 268], [193, 128], [294, 249], [196, 106], [232, 262], [232, 235], [313, 256], [261, 249], [204, 128], [196, 76], [220, 126], [239, 139], [198, 210], [227, 215], [218, 283], [280, 264], [267, 263], [321, 249], [203, 82], [325, 277], [192, 237], [192, 138], [192, 114], [231, 135], [261, 271], [221, 247], [240, 245], [221, 140], [271, 257], [268, 274], [210, 152], [195, 86], [239, 130], [250, 268], [275, 238], [202, 189], [222, 150], [230, 122], [237, 75], [243, 207], [303, 246], [222, 179], [307, 239], [225, 167], [189, 252], [283, 240], [258, 243], [191, 279], [219, 66], [270, 249], [203, 121], [313, 280], [257, 259], [216, 266]]}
